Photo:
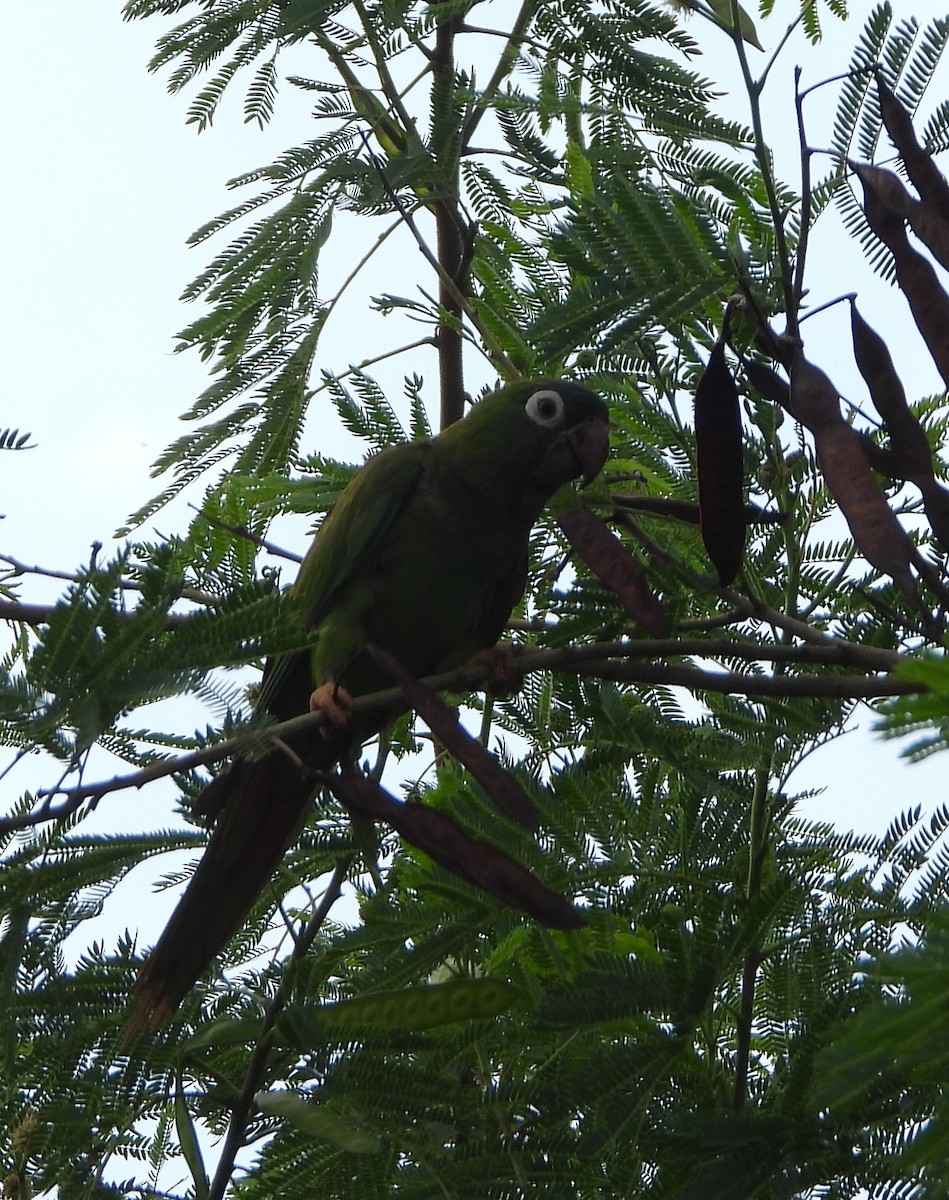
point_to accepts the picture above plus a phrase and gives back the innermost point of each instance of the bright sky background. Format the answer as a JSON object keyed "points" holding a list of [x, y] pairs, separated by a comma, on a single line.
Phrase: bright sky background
{"points": [[104, 184]]}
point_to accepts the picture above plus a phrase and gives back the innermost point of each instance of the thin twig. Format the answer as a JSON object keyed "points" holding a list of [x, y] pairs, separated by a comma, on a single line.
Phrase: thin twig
{"points": [[497, 355], [758, 843], [797, 290], [125, 585], [257, 1066], [688, 510], [765, 164], [329, 378], [242, 531], [505, 63]]}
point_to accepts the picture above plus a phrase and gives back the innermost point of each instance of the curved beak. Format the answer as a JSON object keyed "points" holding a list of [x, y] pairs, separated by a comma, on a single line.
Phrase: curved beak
{"points": [[590, 440]]}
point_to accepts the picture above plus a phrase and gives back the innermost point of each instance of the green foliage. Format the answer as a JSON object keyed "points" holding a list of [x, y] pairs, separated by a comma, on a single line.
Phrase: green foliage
{"points": [[733, 1020], [896, 1048], [926, 714]]}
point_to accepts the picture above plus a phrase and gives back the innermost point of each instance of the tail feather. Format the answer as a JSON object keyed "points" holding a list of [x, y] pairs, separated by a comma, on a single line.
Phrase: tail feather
{"points": [[263, 804]]}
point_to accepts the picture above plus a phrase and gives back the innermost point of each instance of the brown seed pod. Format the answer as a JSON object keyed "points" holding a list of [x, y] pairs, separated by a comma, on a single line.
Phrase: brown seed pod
{"points": [[814, 399], [501, 788], [936, 504], [926, 222], [888, 188], [910, 456], [878, 534], [718, 444], [931, 230], [914, 274], [923, 172], [612, 563], [769, 383], [909, 443], [453, 848]]}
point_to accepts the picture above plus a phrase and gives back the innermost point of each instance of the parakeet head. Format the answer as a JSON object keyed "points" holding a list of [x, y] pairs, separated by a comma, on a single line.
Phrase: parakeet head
{"points": [[544, 432], [578, 421]]}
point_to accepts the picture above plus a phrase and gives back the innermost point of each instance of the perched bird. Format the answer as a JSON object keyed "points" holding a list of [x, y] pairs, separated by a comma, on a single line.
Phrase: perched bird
{"points": [[425, 554]]}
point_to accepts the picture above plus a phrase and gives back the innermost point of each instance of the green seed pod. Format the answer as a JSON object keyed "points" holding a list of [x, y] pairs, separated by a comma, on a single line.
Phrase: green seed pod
{"points": [[417, 1007]]}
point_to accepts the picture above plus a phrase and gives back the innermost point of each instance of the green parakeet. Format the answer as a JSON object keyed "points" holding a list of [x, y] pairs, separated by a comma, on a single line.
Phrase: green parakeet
{"points": [[425, 554]]}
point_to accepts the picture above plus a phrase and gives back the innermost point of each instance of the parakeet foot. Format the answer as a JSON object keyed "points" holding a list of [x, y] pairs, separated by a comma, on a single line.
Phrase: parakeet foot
{"points": [[334, 702], [505, 679]]}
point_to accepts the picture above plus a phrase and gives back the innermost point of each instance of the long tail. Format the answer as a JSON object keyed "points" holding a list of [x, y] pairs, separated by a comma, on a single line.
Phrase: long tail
{"points": [[264, 803]]}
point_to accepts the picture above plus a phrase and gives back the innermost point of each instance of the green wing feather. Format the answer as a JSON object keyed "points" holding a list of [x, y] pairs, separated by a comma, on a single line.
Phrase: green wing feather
{"points": [[351, 535]]}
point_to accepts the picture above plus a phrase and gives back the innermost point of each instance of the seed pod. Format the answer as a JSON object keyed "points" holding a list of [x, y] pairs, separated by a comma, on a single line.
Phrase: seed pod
{"points": [[444, 840], [612, 563], [422, 1007], [718, 445], [936, 504], [909, 443], [923, 172], [925, 220], [887, 187], [814, 398], [910, 451], [914, 274], [931, 230], [769, 383], [876, 531], [501, 788]]}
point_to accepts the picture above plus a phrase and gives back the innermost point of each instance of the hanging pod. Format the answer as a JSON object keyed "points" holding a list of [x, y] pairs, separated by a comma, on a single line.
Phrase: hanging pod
{"points": [[878, 534], [909, 447], [924, 175], [614, 566], [914, 273], [718, 444]]}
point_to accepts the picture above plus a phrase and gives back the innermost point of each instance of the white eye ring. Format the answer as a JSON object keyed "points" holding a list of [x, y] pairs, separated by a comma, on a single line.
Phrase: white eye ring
{"points": [[545, 407]]}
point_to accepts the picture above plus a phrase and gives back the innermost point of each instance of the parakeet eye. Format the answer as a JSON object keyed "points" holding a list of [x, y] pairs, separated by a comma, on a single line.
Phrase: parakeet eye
{"points": [[545, 407]]}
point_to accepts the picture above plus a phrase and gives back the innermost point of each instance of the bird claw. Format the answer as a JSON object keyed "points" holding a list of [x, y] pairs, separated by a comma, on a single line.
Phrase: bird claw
{"points": [[505, 678], [334, 702]]}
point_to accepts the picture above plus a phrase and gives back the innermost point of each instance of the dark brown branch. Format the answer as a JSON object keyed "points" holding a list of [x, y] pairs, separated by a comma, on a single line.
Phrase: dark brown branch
{"points": [[450, 243], [746, 1012], [829, 687], [39, 614], [450, 249], [606, 660]]}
